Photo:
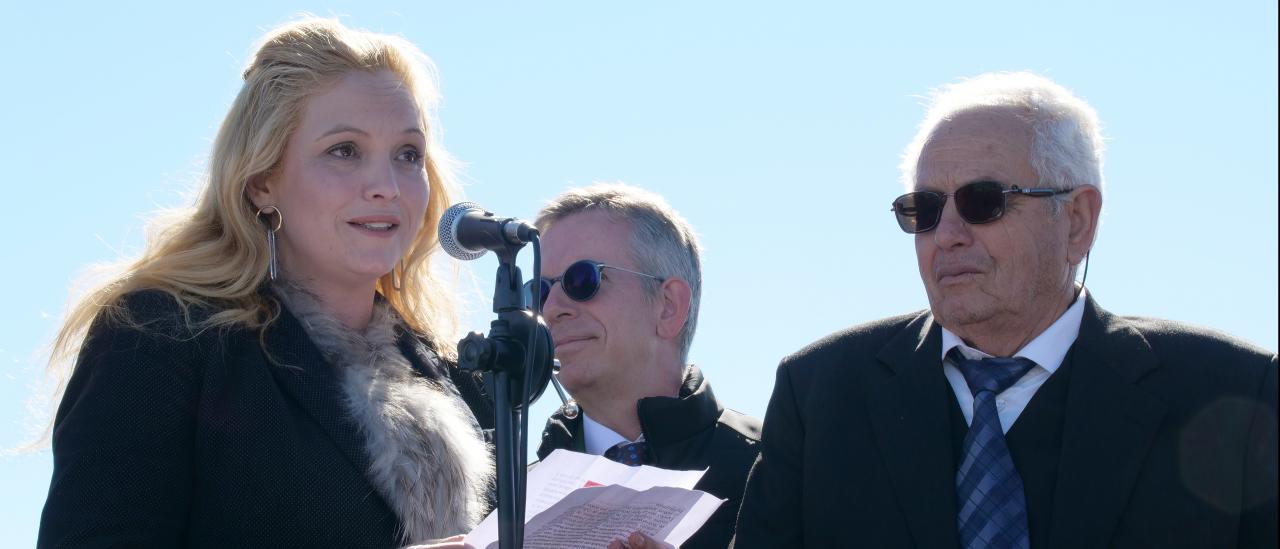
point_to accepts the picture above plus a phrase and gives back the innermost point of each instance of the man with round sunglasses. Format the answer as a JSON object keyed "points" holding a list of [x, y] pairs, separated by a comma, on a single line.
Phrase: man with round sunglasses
{"points": [[621, 292], [1015, 412]]}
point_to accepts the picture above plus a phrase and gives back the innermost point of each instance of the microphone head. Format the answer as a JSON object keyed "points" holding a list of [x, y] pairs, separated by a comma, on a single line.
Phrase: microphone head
{"points": [[448, 231]]}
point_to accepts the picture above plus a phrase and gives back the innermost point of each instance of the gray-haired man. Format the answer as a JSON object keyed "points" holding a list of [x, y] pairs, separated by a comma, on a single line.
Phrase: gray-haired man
{"points": [[1015, 412], [622, 289]]}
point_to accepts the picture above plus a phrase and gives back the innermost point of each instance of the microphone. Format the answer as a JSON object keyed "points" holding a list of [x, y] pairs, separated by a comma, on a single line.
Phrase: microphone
{"points": [[467, 231]]}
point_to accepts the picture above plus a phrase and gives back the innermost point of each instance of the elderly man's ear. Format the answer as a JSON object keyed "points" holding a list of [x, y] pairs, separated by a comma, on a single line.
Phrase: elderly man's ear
{"points": [[1082, 211], [674, 298]]}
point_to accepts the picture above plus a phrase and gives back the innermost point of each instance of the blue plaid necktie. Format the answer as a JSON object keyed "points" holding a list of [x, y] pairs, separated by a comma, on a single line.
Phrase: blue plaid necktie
{"points": [[628, 453], [993, 507]]}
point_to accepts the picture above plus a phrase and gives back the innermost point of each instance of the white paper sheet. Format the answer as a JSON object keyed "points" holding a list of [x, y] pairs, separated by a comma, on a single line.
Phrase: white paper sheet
{"points": [[576, 500]]}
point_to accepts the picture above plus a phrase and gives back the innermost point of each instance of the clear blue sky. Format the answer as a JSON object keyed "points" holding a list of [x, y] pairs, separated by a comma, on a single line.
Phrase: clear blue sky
{"points": [[775, 129]]}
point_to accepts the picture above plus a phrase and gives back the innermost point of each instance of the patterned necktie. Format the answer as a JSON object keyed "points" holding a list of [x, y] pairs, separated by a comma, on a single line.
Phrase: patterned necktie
{"points": [[628, 453], [993, 507]]}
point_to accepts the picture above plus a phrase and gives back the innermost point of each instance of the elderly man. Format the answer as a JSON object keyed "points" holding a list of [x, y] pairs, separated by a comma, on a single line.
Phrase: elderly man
{"points": [[622, 305], [1015, 412]]}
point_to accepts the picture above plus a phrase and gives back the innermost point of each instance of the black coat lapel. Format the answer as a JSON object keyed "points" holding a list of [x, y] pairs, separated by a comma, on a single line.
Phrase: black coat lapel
{"points": [[563, 431], [910, 415], [1110, 424], [311, 381]]}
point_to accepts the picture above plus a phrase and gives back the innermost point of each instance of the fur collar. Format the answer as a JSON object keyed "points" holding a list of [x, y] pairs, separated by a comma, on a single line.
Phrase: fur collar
{"points": [[427, 457]]}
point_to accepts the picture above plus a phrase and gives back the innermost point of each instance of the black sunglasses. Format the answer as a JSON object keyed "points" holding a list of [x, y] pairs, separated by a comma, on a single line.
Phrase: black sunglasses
{"points": [[978, 202], [580, 281]]}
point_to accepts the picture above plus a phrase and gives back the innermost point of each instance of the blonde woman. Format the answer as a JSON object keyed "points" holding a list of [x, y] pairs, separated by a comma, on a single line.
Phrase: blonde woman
{"points": [[274, 370]]}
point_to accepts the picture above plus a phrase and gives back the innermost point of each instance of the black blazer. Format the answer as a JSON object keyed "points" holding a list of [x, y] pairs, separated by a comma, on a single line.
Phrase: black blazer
{"points": [[169, 438], [1169, 440]]}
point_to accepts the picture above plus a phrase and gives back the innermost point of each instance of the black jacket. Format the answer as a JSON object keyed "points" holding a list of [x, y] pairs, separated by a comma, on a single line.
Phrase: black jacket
{"points": [[1168, 439], [172, 438], [693, 431]]}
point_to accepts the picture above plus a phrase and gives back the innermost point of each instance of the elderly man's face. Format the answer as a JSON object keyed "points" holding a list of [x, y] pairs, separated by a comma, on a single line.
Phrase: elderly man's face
{"points": [[1004, 273]]}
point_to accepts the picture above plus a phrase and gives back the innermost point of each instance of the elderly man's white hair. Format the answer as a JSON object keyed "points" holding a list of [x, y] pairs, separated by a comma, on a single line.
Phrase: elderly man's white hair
{"points": [[1066, 150]]}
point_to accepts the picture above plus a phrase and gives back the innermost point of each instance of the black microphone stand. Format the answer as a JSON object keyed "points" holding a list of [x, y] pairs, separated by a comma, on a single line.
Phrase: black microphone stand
{"points": [[516, 359]]}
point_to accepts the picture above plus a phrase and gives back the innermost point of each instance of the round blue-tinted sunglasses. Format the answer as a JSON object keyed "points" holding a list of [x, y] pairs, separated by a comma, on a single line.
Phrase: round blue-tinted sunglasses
{"points": [[580, 281]]}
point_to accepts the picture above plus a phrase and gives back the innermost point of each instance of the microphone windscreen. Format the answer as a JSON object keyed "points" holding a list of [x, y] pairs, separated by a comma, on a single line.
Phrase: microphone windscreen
{"points": [[448, 231]]}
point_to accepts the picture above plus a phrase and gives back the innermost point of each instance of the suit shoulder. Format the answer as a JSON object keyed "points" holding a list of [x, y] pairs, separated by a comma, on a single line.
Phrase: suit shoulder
{"points": [[862, 339], [142, 344], [155, 312], [734, 445], [1169, 335], [745, 426], [1214, 360], [152, 327], [1181, 343]]}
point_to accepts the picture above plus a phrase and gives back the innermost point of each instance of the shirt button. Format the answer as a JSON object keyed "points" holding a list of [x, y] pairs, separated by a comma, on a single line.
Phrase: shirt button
{"points": [[1000, 403]]}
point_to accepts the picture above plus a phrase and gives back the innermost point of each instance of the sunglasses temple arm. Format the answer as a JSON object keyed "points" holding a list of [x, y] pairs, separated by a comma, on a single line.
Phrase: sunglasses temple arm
{"points": [[658, 278], [1038, 191]]}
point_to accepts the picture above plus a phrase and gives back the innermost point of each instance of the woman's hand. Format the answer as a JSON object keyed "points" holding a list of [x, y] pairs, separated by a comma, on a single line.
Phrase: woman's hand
{"points": [[454, 542], [638, 540]]}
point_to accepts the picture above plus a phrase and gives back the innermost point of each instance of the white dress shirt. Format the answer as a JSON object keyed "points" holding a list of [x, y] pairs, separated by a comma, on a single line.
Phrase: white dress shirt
{"points": [[1047, 350], [596, 438]]}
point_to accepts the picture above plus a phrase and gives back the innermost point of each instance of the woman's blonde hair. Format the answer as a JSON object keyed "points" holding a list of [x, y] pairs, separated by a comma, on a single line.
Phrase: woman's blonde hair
{"points": [[216, 254]]}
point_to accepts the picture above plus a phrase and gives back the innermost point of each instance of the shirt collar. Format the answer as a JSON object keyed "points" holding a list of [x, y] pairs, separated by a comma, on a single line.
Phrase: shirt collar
{"points": [[596, 438], [1047, 350]]}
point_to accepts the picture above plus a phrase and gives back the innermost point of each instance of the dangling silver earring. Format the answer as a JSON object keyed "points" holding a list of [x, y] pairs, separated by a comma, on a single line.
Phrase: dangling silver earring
{"points": [[272, 264], [395, 274]]}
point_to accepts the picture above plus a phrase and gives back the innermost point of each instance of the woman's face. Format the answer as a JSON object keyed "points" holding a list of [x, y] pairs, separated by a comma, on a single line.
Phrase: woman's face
{"points": [[352, 185]]}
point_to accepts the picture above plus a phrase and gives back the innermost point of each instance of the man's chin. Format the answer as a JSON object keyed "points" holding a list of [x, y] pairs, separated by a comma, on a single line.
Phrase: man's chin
{"points": [[956, 313], [573, 379]]}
